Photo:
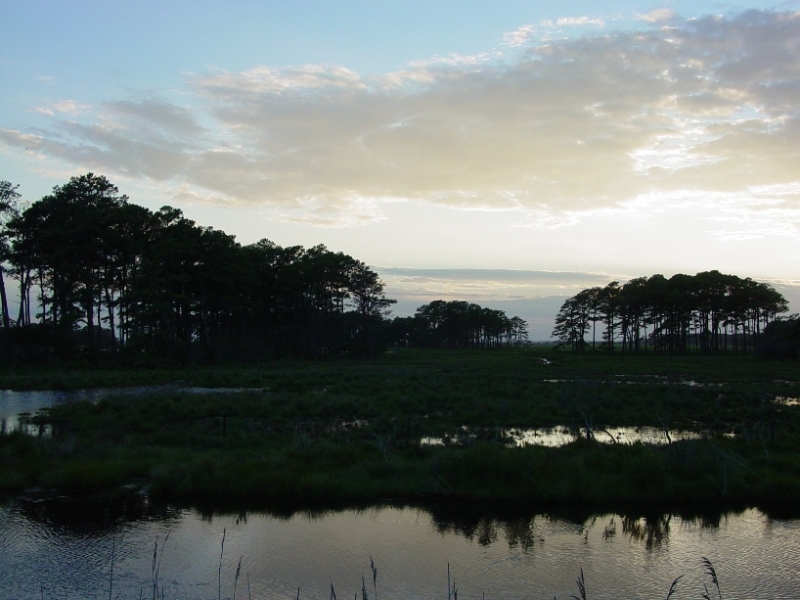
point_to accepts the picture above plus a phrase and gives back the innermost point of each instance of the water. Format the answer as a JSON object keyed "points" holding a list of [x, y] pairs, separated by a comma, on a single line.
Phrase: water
{"points": [[14, 403], [554, 437], [66, 548]]}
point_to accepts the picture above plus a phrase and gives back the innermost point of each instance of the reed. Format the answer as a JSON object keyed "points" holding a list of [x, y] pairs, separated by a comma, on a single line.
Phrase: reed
{"points": [[711, 572], [581, 583], [674, 586], [219, 570], [156, 564], [707, 565], [236, 578]]}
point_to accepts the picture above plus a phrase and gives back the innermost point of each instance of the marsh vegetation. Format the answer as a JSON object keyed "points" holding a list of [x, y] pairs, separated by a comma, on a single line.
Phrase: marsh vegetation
{"points": [[341, 431]]}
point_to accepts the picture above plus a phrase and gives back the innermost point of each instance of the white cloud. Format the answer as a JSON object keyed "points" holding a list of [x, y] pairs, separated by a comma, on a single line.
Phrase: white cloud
{"points": [[707, 106], [656, 15], [63, 107], [520, 36], [523, 34], [580, 22]]}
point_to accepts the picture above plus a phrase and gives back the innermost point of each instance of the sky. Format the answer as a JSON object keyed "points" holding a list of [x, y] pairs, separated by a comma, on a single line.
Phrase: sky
{"points": [[504, 152]]}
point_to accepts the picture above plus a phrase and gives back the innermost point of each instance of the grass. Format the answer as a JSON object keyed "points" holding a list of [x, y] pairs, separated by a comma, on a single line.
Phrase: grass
{"points": [[345, 431], [517, 365]]}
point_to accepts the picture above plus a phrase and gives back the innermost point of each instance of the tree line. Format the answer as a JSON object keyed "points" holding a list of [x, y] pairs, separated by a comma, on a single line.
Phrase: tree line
{"points": [[97, 274], [458, 324], [706, 312]]}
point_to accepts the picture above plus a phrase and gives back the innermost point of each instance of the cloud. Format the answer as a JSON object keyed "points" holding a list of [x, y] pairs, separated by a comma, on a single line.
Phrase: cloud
{"points": [[533, 295], [266, 80], [480, 285], [580, 22], [520, 36], [523, 34], [656, 15], [155, 114], [560, 129], [64, 107]]}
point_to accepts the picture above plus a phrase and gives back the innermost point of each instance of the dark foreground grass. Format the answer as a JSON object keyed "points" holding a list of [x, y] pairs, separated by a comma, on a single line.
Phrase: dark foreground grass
{"points": [[351, 431]]}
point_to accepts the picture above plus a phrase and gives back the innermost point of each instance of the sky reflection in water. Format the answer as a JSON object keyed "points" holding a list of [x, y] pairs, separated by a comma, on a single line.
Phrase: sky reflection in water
{"points": [[67, 550]]}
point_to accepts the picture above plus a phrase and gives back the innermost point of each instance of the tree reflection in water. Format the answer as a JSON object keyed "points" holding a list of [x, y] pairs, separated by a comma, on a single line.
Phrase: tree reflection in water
{"points": [[653, 531]]}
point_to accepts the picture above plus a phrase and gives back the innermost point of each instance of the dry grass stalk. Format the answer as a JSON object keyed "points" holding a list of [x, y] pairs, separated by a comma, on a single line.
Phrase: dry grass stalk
{"points": [[581, 581], [673, 588], [713, 574], [236, 579], [219, 570]]}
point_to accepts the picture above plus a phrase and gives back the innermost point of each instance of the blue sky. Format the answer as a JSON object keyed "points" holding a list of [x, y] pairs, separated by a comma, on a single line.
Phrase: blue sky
{"points": [[602, 139]]}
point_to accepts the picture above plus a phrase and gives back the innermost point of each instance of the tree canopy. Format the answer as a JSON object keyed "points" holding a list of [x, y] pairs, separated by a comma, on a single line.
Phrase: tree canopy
{"points": [[103, 275], [458, 324], [708, 312]]}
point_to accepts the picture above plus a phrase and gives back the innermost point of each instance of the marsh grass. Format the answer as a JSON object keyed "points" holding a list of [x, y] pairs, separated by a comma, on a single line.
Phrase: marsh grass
{"points": [[580, 582], [350, 430], [156, 564]]}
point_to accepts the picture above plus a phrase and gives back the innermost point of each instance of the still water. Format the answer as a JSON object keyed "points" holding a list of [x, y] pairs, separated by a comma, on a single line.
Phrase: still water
{"points": [[14, 403], [64, 549]]}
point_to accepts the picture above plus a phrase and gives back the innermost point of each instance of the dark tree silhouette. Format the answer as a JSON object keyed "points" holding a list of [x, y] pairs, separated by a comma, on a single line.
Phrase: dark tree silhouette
{"points": [[8, 207], [708, 312], [100, 275], [458, 324]]}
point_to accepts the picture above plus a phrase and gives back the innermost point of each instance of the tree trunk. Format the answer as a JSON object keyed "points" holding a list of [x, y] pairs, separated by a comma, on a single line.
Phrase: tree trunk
{"points": [[4, 299]]}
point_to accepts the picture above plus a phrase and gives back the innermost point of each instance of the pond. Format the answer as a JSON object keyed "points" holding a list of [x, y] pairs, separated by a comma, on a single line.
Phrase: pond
{"points": [[62, 548]]}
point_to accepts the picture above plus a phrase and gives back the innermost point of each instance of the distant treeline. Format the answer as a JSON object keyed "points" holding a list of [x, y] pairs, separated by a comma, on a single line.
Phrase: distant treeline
{"points": [[98, 275], [458, 324], [707, 312]]}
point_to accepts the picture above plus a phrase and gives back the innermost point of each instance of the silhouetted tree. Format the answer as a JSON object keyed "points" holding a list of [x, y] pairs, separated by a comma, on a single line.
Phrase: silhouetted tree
{"points": [[702, 312], [458, 324], [114, 276]]}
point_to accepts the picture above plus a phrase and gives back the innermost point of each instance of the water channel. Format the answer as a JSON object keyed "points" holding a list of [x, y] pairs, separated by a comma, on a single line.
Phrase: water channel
{"points": [[65, 548], [61, 549]]}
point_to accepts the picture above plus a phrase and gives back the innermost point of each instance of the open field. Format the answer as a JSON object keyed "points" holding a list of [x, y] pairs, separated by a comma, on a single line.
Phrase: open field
{"points": [[356, 430]]}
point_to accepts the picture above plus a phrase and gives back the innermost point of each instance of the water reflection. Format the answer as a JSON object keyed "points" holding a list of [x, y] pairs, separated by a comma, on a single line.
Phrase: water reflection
{"points": [[787, 400], [554, 437], [652, 531], [65, 545]]}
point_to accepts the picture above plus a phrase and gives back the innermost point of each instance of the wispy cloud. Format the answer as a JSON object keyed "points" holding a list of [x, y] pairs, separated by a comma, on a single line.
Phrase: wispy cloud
{"points": [[656, 15], [558, 129], [63, 107], [481, 285], [576, 22], [522, 35], [268, 80]]}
